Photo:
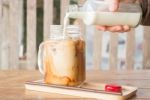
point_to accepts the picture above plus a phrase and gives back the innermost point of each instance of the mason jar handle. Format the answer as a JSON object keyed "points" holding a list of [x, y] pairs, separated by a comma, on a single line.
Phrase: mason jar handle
{"points": [[40, 59]]}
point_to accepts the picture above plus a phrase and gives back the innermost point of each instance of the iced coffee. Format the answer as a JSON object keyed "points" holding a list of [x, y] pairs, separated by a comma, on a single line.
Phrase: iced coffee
{"points": [[64, 62]]}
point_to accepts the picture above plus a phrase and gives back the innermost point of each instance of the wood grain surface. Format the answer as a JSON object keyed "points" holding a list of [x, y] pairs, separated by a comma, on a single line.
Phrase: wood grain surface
{"points": [[48, 18], [97, 49], [146, 48], [5, 39], [31, 33], [12, 84], [0, 29], [64, 8], [113, 53], [130, 50]]}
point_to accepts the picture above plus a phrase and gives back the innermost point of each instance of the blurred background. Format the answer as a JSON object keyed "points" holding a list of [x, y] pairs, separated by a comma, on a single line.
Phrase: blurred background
{"points": [[10, 51]]}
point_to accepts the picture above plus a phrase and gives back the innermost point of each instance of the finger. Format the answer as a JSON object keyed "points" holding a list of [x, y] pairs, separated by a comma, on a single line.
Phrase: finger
{"points": [[126, 28], [114, 28], [129, 1], [102, 28], [113, 5]]}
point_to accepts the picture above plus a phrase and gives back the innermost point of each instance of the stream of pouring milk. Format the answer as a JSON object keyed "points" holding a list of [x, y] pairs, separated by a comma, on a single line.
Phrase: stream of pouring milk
{"points": [[66, 21], [87, 17]]}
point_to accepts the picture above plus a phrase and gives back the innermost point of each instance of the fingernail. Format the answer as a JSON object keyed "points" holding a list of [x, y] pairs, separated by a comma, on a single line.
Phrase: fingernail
{"points": [[101, 28], [118, 28], [126, 28]]}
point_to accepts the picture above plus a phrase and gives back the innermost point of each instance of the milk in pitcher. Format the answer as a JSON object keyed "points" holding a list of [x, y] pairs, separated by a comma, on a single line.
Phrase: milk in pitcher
{"points": [[97, 13]]}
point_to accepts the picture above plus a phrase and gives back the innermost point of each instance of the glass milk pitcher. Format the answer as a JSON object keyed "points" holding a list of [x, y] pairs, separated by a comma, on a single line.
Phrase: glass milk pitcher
{"points": [[61, 59], [96, 12]]}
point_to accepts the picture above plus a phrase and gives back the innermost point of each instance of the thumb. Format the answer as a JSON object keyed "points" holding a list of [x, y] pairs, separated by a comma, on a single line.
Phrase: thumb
{"points": [[113, 4]]}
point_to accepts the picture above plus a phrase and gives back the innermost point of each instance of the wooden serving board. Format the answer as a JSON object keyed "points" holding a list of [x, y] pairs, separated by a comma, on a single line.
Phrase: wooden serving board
{"points": [[87, 90]]}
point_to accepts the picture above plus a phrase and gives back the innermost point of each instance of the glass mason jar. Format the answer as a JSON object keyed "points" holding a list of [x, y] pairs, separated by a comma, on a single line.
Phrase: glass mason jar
{"points": [[62, 58]]}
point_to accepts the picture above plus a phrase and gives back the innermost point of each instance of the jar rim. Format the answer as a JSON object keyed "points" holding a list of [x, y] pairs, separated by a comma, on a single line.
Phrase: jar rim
{"points": [[59, 37]]}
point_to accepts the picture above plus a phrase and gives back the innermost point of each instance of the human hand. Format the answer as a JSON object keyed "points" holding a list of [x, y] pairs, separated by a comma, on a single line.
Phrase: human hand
{"points": [[113, 6]]}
